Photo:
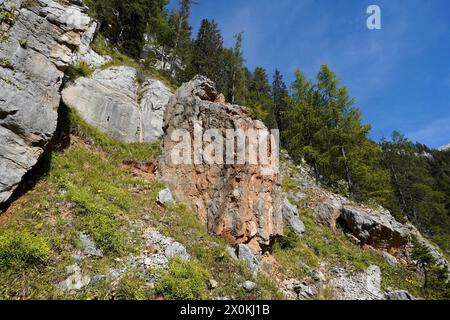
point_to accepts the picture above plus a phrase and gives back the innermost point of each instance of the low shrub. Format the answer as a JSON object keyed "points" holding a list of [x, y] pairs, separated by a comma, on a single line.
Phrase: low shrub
{"points": [[185, 280], [21, 249]]}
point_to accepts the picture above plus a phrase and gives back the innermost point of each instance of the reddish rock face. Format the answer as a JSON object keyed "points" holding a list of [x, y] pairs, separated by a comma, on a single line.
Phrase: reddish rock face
{"points": [[240, 202]]}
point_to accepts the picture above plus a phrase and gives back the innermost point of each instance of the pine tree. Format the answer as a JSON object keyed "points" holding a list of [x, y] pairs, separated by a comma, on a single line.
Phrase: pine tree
{"points": [[180, 41], [325, 129], [279, 98], [125, 22], [260, 98], [416, 191], [236, 90], [208, 53]]}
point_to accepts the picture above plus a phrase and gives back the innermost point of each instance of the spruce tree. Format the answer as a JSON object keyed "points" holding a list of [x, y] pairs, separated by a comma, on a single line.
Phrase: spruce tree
{"points": [[279, 98], [260, 98], [208, 53]]}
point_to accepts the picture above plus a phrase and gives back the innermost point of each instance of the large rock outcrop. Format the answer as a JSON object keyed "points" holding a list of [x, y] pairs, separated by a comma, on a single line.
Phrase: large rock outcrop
{"points": [[239, 202], [37, 42], [120, 102], [377, 228]]}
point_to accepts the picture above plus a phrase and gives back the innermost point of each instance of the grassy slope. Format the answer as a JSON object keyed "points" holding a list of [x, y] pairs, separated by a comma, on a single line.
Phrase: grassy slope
{"points": [[86, 189], [298, 256]]}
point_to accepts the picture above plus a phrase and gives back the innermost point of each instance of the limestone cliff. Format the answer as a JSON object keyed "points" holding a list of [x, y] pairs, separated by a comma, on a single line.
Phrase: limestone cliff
{"points": [[120, 102], [237, 202], [37, 43]]}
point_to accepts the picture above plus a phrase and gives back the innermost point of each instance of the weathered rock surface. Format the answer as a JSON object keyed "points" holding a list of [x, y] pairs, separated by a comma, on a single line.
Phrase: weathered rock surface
{"points": [[295, 289], [75, 281], [120, 103], [327, 213], [245, 254], [88, 249], [249, 286], [358, 286], [237, 202], [376, 228], [291, 217], [85, 52], [35, 50], [165, 197], [161, 249], [399, 295]]}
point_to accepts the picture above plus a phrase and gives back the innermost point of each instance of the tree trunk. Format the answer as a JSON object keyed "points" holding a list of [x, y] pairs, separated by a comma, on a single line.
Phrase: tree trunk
{"points": [[399, 189], [233, 87], [347, 173]]}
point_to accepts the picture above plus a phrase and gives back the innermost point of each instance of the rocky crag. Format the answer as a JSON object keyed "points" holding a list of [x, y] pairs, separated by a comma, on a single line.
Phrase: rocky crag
{"points": [[237, 202], [121, 102], [37, 43]]}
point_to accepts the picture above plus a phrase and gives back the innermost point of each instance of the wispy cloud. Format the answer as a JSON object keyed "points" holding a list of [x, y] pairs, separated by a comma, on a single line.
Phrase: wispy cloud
{"points": [[434, 134]]}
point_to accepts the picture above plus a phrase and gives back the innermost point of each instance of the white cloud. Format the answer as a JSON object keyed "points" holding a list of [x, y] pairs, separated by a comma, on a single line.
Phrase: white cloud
{"points": [[434, 134]]}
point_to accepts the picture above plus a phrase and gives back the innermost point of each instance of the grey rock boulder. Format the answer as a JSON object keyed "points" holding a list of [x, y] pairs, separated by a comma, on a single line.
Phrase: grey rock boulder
{"points": [[241, 203], [165, 197], [327, 213], [30, 79], [291, 218], [375, 227], [116, 102], [245, 254], [163, 250], [357, 285], [76, 280], [249, 286], [398, 295], [89, 247]]}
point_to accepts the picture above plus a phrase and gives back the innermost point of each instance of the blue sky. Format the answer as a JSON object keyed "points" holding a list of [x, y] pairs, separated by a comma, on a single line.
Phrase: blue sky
{"points": [[399, 76]]}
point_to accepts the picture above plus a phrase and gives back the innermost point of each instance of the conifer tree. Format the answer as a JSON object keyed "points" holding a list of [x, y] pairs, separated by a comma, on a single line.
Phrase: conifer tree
{"points": [[260, 98], [180, 41], [208, 53], [325, 129], [416, 192], [236, 90], [279, 98]]}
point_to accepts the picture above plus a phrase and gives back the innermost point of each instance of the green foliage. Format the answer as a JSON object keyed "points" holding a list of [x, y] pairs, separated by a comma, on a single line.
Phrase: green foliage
{"points": [[7, 17], [125, 22], [435, 276], [23, 43], [82, 69], [208, 52], [132, 286], [420, 183], [106, 232], [19, 249], [117, 150], [280, 96], [185, 280], [325, 129], [5, 62]]}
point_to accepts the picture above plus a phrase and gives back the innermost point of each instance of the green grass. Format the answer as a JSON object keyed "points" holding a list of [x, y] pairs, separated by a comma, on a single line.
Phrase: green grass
{"points": [[132, 286], [185, 280], [22, 250], [81, 69], [86, 189], [23, 43], [298, 256]]}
